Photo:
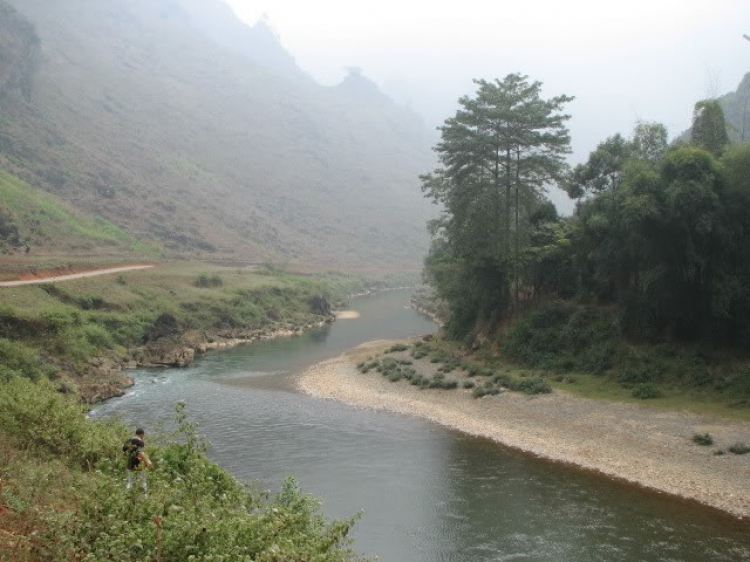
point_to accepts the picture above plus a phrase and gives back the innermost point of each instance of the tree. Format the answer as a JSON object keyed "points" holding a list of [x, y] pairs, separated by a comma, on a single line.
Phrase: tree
{"points": [[604, 167], [602, 170], [650, 141], [499, 151], [709, 127]]}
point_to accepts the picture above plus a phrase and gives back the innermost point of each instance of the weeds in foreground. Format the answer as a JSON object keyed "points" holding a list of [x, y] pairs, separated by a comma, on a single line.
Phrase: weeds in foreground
{"points": [[703, 439], [194, 510]]}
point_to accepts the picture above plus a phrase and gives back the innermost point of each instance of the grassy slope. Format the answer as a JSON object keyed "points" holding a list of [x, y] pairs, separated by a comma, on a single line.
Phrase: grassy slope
{"points": [[138, 118], [48, 225], [57, 329], [194, 509]]}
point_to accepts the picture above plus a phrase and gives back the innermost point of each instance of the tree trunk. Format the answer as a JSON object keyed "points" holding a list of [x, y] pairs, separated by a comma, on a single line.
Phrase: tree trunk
{"points": [[518, 234]]}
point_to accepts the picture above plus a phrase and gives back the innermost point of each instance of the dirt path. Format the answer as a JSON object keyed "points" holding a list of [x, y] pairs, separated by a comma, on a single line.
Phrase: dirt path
{"points": [[646, 446], [70, 276]]}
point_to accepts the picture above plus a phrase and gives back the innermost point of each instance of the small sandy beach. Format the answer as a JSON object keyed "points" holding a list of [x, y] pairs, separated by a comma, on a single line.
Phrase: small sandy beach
{"points": [[646, 446]]}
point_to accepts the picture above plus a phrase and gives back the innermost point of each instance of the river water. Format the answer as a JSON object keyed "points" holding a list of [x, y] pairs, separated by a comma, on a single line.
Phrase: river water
{"points": [[428, 494]]}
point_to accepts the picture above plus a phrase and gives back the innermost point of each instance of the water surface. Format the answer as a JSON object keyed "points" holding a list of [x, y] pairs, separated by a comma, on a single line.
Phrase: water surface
{"points": [[429, 494]]}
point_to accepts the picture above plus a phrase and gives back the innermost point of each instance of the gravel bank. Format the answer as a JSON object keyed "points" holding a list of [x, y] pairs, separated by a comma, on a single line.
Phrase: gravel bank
{"points": [[646, 446]]}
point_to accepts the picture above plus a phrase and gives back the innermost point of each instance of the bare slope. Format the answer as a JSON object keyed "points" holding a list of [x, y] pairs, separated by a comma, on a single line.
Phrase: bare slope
{"points": [[132, 112]]}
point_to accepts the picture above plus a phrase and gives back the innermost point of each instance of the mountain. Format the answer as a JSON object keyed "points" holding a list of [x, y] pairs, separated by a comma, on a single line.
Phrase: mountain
{"points": [[258, 43], [184, 127], [736, 106]]}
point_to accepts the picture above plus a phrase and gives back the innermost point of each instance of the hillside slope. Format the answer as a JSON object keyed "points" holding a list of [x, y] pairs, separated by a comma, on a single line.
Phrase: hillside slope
{"points": [[129, 110], [35, 222]]}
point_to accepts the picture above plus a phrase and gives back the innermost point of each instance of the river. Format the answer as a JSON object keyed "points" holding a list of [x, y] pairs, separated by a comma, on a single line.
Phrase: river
{"points": [[428, 493]]}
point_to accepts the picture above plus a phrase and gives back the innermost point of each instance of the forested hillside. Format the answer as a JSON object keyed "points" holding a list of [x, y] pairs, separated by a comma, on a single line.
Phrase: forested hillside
{"points": [[180, 125]]}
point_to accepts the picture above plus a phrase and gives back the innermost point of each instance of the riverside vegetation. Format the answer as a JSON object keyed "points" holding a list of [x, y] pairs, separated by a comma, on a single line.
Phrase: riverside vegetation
{"points": [[194, 510], [79, 334], [53, 335], [641, 294]]}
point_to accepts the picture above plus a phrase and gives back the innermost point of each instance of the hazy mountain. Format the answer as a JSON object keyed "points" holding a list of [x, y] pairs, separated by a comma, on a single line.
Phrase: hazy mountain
{"points": [[178, 123], [259, 43], [736, 106]]}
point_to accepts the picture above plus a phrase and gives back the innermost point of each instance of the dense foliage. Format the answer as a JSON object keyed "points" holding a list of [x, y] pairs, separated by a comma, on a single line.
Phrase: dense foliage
{"points": [[194, 510], [497, 153], [660, 231]]}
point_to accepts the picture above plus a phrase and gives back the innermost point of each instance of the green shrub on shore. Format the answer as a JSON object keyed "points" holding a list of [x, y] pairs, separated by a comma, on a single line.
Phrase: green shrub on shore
{"points": [[396, 347], [647, 391], [560, 336], [194, 510], [533, 386], [18, 360], [739, 449], [703, 439]]}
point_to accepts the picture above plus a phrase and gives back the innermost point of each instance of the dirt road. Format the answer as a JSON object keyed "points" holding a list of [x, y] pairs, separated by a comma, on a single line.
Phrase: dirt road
{"points": [[73, 276]]}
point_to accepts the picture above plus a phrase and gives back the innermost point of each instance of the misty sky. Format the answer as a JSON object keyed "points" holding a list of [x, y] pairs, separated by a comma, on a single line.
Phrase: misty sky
{"points": [[636, 59]]}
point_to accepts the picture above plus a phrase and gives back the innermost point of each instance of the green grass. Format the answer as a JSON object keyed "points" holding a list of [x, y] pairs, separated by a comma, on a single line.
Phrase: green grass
{"points": [[44, 221], [704, 402]]}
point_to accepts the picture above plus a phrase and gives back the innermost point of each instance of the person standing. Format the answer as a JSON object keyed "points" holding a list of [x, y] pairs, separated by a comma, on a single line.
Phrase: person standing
{"points": [[138, 461]]}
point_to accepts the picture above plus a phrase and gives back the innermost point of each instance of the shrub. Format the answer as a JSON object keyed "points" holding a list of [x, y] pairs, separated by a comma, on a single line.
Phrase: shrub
{"points": [[17, 360], [739, 449], [703, 439], [44, 419], [468, 384], [488, 389], [534, 386], [641, 374], [208, 281], [561, 336], [646, 391], [395, 348]]}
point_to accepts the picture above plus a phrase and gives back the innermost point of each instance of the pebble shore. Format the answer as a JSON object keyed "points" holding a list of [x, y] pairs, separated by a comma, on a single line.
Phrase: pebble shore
{"points": [[645, 446]]}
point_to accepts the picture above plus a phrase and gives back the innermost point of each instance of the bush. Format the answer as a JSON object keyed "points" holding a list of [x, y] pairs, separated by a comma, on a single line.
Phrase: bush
{"points": [[488, 389], [703, 439], [194, 509], [739, 449], [41, 418], [468, 384], [561, 336], [17, 360], [646, 391], [395, 348], [208, 281], [533, 386]]}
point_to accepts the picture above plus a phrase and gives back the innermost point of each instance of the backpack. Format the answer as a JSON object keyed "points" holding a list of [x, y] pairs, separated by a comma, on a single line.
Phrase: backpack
{"points": [[131, 448]]}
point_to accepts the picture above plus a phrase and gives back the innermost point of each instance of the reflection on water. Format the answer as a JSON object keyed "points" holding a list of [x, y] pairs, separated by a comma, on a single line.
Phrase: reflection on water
{"points": [[428, 494]]}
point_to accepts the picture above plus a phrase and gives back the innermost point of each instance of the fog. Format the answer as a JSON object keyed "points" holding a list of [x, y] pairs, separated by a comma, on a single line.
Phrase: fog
{"points": [[624, 61]]}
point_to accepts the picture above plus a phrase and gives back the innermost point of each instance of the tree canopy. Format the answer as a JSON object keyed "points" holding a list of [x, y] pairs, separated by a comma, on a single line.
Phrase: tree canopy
{"points": [[499, 151], [661, 231]]}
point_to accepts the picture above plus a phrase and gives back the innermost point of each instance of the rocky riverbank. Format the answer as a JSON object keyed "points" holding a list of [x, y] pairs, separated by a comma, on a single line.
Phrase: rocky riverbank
{"points": [[105, 377], [645, 446]]}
